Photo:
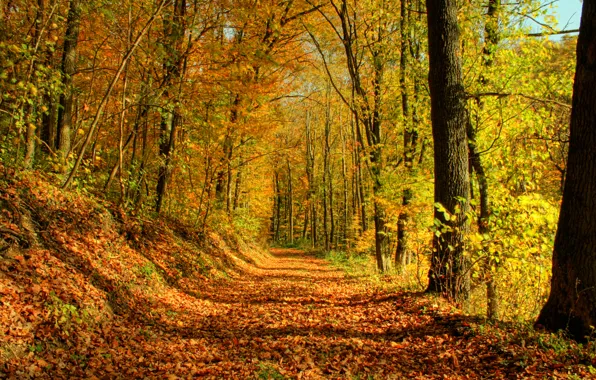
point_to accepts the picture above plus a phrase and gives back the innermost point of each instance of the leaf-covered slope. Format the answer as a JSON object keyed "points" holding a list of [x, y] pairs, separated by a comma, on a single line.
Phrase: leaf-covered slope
{"points": [[77, 276]]}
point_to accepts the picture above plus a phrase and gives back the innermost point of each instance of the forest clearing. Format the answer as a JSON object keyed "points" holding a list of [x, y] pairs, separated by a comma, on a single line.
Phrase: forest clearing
{"points": [[297, 189]]}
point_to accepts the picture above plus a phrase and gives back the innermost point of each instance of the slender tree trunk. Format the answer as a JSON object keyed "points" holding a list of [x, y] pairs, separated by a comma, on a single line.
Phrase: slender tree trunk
{"points": [[572, 301], [69, 56], [310, 174], [290, 205], [360, 193], [410, 142], [331, 211], [277, 206], [175, 29], [237, 187], [491, 33], [326, 172], [448, 273], [345, 237], [48, 118], [305, 223]]}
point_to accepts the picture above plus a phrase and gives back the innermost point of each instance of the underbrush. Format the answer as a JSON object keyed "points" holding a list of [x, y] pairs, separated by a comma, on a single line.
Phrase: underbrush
{"points": [[522, 288], [363, 267]]}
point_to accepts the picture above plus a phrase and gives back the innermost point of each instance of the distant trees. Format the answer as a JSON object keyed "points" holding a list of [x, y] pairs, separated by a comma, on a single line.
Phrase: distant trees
{"points": [[572, 301]]}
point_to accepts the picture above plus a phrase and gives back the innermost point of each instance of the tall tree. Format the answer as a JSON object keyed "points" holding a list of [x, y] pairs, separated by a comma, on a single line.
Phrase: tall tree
{"points": [[448, 271], [572, 301]]}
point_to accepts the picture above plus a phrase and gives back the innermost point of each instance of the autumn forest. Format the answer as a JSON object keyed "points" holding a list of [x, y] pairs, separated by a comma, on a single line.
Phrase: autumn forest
{"points": [[297, 189]]}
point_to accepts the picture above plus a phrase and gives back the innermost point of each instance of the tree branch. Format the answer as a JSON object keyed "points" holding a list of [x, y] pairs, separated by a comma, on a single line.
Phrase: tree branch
{"points": [[505, 94], [554, 33]]}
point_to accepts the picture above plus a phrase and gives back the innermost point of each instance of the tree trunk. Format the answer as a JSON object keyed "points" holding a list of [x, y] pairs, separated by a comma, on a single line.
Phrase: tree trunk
{"points": [[310, 175], [491, 40], [410, 142], [326, 173], [174, 65], [448, 273], [290, 205], [237, 187], [277, 207], [344, 176], [69, 55], [572, 301]]}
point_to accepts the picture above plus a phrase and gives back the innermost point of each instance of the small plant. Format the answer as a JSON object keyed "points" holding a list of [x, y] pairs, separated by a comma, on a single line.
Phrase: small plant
{"points": [[64, 315], [36, 348], [147, 334]]}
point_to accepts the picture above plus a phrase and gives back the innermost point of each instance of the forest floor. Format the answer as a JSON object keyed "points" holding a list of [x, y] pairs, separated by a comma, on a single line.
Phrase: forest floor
{"points": [[293, 316], [87, 292]]}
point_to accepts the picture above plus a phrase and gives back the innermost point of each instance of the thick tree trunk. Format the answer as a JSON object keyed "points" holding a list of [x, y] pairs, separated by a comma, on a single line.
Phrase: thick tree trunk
{"points": [[572, 301], [169, 126], [448, 273]]}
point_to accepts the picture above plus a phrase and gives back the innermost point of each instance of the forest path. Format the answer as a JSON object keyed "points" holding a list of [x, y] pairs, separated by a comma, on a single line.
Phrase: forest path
{"points": [[296, 317]]}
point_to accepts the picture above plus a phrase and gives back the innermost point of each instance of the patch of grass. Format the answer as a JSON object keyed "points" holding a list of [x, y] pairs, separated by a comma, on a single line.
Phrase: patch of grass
{"points": [[268, 372], [13, 350], [148, 270], [301, 244], [171, 314], [352, 264]]}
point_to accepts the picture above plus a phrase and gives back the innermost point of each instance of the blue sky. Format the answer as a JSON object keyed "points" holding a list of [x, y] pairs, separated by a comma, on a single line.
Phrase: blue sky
{"points": [[569, 11]]}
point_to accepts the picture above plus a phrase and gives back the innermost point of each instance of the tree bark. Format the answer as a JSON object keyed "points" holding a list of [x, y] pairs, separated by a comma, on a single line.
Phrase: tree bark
{"points": [[448, 273], [572, 301]]}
